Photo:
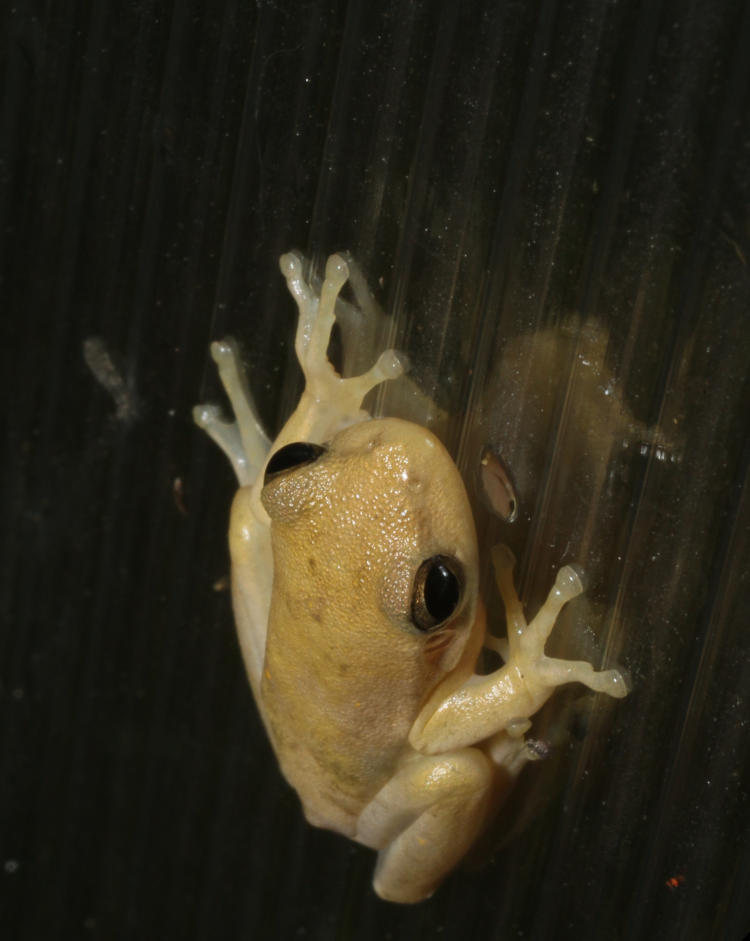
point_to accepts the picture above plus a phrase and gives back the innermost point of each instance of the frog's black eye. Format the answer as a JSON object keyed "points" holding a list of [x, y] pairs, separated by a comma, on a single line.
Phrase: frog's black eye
{"points": [[438, 586], [292, 456]]}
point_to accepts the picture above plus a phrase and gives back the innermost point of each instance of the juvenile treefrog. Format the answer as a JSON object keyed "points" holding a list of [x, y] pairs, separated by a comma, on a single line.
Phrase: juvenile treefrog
{"points": [[355, 592]]}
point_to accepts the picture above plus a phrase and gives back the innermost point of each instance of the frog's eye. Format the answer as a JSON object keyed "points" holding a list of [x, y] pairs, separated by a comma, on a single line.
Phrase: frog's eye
{"points": [[438, 587], [292, 456]]}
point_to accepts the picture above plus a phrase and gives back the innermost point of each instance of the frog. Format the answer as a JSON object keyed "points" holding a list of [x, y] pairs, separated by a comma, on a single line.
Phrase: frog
{"points": [[356, 596]]}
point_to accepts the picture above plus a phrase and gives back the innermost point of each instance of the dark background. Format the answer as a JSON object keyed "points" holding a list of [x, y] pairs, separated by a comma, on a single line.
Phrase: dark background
{"points": [[494, 167]]}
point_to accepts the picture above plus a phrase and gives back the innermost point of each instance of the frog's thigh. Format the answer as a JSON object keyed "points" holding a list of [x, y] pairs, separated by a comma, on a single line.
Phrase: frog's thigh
{"points": [[424, 820]]}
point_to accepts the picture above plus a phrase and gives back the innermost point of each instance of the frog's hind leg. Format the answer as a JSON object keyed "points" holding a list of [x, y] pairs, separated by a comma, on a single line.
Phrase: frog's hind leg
{"points": [[425, 820], [243, 440]]}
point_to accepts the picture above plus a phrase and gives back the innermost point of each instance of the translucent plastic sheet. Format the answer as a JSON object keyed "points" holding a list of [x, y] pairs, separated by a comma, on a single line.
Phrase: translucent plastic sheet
{"points": [[549, 200]]}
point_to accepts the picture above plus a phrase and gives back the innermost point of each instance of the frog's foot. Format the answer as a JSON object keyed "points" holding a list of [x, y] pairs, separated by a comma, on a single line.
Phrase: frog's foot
{"points": [[526, 641], [243, 441], [332, 401]]}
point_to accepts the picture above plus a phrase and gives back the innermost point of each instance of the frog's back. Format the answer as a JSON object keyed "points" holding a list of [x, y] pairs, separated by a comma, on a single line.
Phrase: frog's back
{"points": [[347, 669]]}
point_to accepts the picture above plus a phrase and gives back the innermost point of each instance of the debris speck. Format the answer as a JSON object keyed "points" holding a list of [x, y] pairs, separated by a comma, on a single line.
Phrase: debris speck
{"points": [[108, 376]]}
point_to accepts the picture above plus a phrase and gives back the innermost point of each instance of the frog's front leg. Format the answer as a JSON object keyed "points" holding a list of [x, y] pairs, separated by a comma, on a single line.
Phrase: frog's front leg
{"points": [[425, 819], [526, 641], [502, 703], [329, 402], [243, 440]]}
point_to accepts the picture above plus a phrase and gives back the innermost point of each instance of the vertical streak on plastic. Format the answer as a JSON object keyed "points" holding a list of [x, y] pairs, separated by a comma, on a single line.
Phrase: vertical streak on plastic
{"points": [[602, 233], [644, 37], [735, 99], [65, 757], [493, 287], [423, 155]]}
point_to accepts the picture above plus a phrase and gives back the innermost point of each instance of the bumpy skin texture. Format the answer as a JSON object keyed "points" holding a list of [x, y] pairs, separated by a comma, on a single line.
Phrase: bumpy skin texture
{"points": [[377, 720]]}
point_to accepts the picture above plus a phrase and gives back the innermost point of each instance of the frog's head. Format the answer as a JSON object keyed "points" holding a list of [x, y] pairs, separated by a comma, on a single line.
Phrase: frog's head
{"points": [[374, 545]]}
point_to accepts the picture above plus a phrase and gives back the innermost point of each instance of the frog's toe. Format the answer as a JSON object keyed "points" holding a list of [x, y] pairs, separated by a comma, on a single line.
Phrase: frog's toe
{"points": [[337, 270]]}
